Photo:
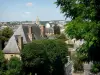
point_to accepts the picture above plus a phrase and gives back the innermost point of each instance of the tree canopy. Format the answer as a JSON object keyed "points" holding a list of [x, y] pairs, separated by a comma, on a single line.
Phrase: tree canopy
{"points": [[2, 60], [87, 9], [14, 66], [45, 57], [84, 24], [6, 33]]}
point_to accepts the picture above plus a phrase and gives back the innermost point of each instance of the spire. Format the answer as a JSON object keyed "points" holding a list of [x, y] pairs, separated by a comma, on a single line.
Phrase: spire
{"points": [[37, 21]]}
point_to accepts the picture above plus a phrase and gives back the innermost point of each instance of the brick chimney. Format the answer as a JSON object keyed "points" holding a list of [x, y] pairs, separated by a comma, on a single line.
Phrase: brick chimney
{"points": [[42, 28], [20, 42], [30, 34]]}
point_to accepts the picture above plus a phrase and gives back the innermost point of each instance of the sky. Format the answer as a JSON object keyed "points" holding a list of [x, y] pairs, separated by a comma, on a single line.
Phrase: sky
{"points": [[28, 10]]}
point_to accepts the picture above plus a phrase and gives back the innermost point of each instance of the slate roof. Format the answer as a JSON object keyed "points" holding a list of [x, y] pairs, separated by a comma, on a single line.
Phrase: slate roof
{"points": [[35, 31], [12, 46]]}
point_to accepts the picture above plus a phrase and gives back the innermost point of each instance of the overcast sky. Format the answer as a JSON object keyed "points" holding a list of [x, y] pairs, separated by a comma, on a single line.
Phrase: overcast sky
{"points": [[19, 10]]}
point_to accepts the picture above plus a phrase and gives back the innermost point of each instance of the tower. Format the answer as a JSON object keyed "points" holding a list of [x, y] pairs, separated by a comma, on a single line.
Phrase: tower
{"points": [[37, 21]]}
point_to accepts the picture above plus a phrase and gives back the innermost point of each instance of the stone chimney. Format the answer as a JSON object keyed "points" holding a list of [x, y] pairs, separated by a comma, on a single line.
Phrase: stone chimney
{"points": [[30, 34], [20, 42], [42, 28]]}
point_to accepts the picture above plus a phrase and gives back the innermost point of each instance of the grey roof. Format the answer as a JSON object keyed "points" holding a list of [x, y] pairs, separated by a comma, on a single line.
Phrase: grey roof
{"points": [[12, 46], [23, 31], [35, 31]]}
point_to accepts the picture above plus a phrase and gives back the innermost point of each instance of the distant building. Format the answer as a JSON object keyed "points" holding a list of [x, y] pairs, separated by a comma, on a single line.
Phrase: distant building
{"points": [[25, 33], [52, 28]]}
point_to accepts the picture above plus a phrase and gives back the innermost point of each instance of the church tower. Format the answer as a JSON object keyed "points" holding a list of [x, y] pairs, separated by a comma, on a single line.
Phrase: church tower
{"points": [[37, 21]]}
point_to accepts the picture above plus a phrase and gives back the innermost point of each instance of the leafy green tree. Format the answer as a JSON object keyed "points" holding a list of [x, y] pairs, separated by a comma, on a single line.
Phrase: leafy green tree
{"points": [[14, 66], [2, 63], [84, 25], [87, 9], [44, 57], [5, 34]]}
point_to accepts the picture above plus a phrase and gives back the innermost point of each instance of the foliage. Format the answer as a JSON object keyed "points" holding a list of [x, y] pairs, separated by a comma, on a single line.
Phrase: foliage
{"points": [[82, 52], [84, 25], [44, 57], [61, 36], [95, 68], [11, 67], [2, 61], [11, 72], [78, 64], [14, 66], [87, 9], [6, 33], [90, 32]]}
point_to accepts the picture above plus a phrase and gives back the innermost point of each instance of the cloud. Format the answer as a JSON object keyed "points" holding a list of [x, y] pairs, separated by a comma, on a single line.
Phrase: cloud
{"points": [[27, 12], [29, 4]]}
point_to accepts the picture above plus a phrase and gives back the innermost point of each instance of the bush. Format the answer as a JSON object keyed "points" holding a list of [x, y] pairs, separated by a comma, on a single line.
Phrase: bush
{"points": [[78, 64], [14, 66], [44, 57], [95, 68]]}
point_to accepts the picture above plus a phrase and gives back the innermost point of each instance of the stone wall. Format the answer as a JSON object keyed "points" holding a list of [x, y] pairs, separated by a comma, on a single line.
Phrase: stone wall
{"points": [[8, 56]]}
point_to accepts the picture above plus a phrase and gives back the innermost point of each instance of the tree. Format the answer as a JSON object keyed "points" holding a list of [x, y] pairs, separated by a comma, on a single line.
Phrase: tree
{"points": [[87, 9], [2, 63], [84, 25], [44, 57], [14, 66], [5, 34]]}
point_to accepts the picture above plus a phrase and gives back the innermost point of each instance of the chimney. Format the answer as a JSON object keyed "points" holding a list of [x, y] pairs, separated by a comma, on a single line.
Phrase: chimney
{"points": [[42, 28], [30, 34], [20, 42]]}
